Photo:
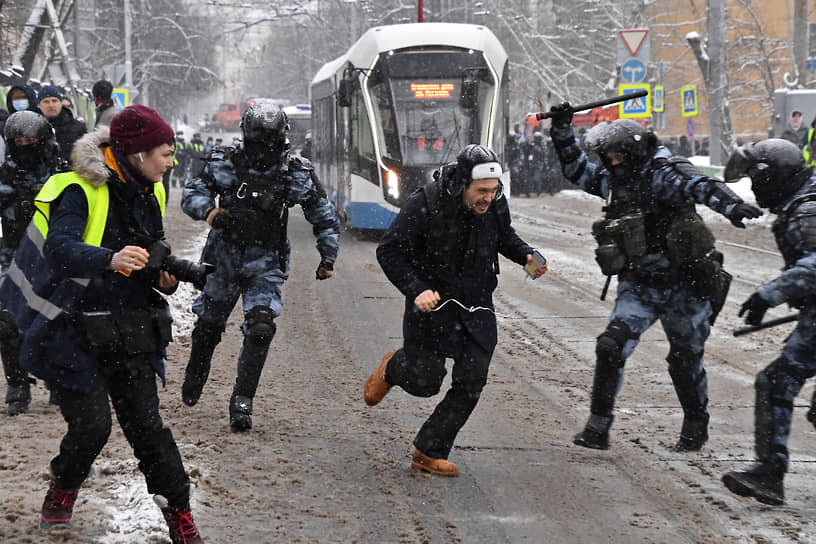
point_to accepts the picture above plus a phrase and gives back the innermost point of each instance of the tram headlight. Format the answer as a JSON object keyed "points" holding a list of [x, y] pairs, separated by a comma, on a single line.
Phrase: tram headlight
{"points": [[392, 183]]}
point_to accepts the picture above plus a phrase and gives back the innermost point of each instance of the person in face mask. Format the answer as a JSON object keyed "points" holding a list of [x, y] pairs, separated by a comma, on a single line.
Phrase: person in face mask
{"points": [[19, 98], [663, 254]]}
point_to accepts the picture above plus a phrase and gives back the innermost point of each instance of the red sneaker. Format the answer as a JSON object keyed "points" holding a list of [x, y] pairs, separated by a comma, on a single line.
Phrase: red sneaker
{"points": [[57, 508]]}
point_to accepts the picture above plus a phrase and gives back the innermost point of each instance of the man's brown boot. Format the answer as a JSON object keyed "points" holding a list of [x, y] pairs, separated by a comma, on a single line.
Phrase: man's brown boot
{"points": [[440, 467], [376, 387]]}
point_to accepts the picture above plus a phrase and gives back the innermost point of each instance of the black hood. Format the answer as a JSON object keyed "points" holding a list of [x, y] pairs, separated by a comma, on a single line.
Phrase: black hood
{"points": [[32, 98]]}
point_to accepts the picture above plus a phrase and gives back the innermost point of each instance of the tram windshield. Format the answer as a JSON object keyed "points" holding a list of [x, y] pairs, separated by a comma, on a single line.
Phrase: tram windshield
{"points": [[430, 104]]}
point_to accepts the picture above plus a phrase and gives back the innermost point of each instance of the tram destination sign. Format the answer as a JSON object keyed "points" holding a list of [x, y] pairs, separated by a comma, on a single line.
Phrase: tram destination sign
{"points": [[433, 90]]}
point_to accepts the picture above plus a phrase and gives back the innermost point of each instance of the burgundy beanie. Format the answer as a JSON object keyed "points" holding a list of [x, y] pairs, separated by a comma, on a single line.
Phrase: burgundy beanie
{"points": [[138, 128]]}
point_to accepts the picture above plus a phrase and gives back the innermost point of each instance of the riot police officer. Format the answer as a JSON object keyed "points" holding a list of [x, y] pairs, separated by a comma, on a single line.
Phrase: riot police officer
{"points": [[31, 160], [663, 255], [783, 183], [244, 194]]}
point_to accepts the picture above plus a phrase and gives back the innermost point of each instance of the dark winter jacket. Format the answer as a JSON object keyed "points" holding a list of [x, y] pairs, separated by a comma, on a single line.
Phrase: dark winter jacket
{"points": [[32, 103], [436, 243], [68, 131], [53, 280]]}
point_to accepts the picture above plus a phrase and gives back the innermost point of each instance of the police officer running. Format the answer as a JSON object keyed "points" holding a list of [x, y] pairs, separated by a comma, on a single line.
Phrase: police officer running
{"points": [[255, 184], [442, 253], [783, 183], [84, 289], [31, 159], [664, 256]]}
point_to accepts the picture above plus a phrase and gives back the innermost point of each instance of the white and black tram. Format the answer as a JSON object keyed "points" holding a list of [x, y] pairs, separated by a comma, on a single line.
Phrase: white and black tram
{"points": [[403, 100]]}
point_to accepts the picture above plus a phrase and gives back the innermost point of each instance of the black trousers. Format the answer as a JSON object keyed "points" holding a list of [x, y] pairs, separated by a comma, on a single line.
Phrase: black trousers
{"points": [[131, 386], [420, 371]]}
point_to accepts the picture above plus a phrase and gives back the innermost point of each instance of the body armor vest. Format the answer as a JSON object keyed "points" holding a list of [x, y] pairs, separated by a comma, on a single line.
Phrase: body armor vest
{"points": [[16, 217], [795, 228], [257, 206]]}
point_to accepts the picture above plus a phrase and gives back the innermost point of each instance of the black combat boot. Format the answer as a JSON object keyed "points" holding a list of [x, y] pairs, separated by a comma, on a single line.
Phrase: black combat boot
{"points": [[205, 339], [763, 481], [596, 433], [250, 365], [18, 397], [693, 434], [240, 412]]}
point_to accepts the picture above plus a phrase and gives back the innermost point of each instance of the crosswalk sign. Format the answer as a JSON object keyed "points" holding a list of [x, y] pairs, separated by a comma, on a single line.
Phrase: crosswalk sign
{"points": [[689, 97], [637, 107], [120, 98], [659, 99]]}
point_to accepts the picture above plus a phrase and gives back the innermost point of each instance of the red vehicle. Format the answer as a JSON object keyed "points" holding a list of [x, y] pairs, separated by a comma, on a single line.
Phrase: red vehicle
{"points": [[228, 116]]}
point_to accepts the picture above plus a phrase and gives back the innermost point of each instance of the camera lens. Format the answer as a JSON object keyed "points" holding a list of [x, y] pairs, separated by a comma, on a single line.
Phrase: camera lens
{"points": [[184, 270]]}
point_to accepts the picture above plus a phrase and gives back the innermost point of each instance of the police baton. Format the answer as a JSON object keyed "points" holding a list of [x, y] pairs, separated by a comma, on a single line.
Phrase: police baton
{"points": [[605, 102], [767, 324]]}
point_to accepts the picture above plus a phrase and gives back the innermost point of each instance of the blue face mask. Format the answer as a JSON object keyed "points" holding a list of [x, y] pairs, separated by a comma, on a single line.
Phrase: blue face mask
{"points": [[20, 104]]}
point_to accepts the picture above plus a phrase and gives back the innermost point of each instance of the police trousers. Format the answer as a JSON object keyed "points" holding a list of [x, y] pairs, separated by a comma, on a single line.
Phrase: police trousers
{"points": [[419, 370], [131, 386]]}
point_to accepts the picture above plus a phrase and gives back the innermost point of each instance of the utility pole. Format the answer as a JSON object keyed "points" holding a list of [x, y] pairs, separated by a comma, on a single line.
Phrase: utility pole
{"points": [[715, 79], [128, 61], [800, 46]]}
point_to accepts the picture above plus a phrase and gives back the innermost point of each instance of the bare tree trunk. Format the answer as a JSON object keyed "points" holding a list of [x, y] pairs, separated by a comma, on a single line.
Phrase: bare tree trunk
{"points": [[30, 39]]}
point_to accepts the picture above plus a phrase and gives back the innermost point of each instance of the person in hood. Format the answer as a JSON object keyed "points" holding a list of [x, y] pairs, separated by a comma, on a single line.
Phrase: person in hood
{"points": [[67, 129], [86, 294], [442, 252], [19, 98], [103, 98]]}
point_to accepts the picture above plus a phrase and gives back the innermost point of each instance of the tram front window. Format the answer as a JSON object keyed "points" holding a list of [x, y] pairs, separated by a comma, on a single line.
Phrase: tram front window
{"points": [[421, 118]]}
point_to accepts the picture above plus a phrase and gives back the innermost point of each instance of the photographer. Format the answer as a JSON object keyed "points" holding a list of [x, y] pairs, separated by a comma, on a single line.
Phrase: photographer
{"points": [[95, 327]]}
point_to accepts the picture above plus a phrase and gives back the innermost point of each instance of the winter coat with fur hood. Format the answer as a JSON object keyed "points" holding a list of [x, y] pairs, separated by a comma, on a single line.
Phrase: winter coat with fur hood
{"points": [[69, 275]]}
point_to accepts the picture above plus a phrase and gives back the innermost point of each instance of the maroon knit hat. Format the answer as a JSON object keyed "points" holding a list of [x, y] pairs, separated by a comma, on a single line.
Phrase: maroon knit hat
{"points": [[138, 128]]}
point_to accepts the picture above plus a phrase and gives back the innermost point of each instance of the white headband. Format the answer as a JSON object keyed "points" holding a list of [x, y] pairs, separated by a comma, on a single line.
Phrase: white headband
{"points": [[486, 170]]}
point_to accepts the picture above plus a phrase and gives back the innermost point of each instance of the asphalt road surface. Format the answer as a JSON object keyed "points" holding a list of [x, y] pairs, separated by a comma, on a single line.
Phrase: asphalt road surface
{"points": [[321, 466]]}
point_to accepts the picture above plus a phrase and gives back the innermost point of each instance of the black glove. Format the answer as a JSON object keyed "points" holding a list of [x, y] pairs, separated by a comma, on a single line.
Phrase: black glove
{"points": [[325, 269], [743, 211], [221, 219], [561, 115], [756, 306]]}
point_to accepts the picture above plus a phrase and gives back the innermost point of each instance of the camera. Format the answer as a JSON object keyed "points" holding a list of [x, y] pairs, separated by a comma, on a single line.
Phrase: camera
{"points": [[182, 269]]}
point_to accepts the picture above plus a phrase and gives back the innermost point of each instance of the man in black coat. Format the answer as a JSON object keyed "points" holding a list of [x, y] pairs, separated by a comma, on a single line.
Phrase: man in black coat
{"points": [[444, 247], [67, 129]]}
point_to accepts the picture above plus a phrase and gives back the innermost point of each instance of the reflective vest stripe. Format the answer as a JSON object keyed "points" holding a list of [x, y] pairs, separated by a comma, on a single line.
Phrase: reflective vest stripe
{"points": [[33, 300]]}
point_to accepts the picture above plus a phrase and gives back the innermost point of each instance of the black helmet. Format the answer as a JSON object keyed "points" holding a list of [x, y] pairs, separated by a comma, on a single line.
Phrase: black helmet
{"points": [[470, 156], [629, 138], [29, 124], [265, 123], [776, 167]]}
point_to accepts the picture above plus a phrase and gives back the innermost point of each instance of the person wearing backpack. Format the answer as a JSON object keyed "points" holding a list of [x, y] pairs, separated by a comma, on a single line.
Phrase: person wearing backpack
{"points": [[441, 252], [663, 254]]}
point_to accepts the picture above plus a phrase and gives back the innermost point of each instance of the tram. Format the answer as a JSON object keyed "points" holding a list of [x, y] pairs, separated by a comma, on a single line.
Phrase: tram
{"points": [[403, 100]]}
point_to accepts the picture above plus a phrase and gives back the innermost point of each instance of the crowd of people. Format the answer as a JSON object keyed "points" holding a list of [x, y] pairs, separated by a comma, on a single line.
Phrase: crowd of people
{"points": [[86, 269]]}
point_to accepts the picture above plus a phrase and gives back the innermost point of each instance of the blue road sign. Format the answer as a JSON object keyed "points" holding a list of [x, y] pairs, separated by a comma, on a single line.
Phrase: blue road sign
{"points": [[637, 107], [633, 70], [690, 128]]}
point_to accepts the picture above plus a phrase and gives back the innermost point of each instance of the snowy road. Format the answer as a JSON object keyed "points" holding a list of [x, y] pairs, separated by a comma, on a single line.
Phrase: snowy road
{"points": [[320, 466]]}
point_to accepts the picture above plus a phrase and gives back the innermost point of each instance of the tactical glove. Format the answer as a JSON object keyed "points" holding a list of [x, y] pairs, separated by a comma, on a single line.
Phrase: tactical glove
{"points": [[561, 116], [756, 306], [743, 211], [325, 269], [219, 218]]}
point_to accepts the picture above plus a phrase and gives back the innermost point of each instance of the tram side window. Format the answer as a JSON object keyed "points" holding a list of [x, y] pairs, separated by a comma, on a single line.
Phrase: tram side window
{"points": [[323, 130], [362, 159], [501, 122]]}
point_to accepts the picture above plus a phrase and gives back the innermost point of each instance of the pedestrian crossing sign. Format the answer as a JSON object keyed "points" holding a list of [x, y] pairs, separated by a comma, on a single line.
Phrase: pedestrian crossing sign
{"points": [[120, 98], [689, 96], [658, 103], [637, 107]]}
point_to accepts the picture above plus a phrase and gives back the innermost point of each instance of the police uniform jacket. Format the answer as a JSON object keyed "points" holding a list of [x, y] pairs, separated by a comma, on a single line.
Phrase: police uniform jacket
{"points": [[88, 214], [222, 183], [436, 243]]}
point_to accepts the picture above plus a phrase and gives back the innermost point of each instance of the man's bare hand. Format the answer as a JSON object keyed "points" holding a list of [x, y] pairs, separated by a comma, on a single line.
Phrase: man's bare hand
{"points": [[426, 300]]}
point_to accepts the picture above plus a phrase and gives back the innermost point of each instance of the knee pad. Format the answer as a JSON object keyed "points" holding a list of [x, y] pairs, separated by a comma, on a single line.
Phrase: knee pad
{"points": [[209, 331], [260, 324], [609, 348]]}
